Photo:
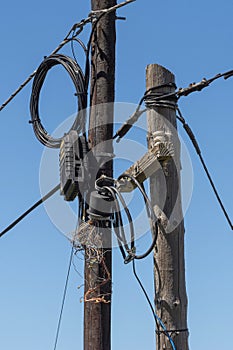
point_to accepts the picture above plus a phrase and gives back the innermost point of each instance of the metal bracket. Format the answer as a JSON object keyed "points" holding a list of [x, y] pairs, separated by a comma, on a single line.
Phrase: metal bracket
{"points": [[161, 149], [161, 145]]}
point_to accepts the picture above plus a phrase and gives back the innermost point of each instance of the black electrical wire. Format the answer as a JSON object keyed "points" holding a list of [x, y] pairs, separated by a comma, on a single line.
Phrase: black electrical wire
{"points": [[96, 17], [100, 185], [129, 217], [65, 41], [153, 218], [198, 151], [63, 299], [115, 193], [119, 239], [118, 225], [152, 99], [148, 210], [148, 94], [80, 42], [78, 79], [34, 206], [145, 293], [157, 319], [77, 27]]}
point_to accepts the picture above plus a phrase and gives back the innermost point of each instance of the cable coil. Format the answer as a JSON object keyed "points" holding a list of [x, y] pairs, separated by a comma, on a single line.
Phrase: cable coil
{"points": [[78, 78]]}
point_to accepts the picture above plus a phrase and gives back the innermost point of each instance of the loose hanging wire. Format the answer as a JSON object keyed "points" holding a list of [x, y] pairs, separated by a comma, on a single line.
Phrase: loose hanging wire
{"points": [[114, 192], [130, 253], [63, 300], [118, 225], [150, 211], [157, 319]]}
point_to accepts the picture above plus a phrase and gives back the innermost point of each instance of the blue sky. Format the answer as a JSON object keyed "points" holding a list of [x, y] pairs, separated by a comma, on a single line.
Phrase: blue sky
{"points": [[193, 40]]}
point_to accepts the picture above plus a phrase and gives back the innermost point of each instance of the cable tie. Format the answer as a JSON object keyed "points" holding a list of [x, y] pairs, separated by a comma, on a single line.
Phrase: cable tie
{"points": [[128, 124], [130, 257], [34, 121], [110, 9], [80, 93]]}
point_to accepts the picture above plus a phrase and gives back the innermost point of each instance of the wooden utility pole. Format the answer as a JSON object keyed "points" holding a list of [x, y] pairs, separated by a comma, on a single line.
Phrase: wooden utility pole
{"points": [[169, 266], [97, 313]]}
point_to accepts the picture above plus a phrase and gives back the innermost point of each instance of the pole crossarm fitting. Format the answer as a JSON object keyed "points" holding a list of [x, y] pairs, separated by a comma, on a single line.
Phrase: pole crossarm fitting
{"points": [[161, 150], [93, 15], [110, 9]]}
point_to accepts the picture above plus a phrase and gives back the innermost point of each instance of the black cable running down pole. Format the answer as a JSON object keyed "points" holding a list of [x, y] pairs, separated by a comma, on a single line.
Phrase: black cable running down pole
{"points": [[158, 320], [34, 206]]}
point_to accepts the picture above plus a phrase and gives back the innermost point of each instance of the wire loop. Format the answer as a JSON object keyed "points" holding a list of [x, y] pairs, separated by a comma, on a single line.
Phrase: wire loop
{"points": [[78, 79]]}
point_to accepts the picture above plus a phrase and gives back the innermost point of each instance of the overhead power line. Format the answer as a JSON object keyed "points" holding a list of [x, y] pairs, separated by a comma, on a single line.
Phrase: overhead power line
{"points": [[34, 206], [76, 30], [153, 98], [151, 94], [198, 151]]}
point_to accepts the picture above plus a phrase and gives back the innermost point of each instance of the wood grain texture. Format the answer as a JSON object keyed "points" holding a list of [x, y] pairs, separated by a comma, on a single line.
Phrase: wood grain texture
{"points": [[97, 316], [169, 266]]}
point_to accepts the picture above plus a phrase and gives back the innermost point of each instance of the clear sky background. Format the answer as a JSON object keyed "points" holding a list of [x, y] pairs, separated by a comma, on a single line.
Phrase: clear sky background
{"points": [[194, 40]]}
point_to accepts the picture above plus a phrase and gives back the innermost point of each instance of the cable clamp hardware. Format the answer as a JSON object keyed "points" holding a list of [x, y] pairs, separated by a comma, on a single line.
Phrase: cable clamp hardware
{"points": [[131, 256], [161, 145], [37, 120]]}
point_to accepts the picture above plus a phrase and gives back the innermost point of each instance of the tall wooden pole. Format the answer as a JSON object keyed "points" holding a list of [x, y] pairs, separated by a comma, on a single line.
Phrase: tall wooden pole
{"points": [[97, 315], [169, 267]]}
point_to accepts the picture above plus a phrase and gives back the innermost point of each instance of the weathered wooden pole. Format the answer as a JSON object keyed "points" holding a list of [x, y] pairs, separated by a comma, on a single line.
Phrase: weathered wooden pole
{"points": [[97, 313], [169, 267]]}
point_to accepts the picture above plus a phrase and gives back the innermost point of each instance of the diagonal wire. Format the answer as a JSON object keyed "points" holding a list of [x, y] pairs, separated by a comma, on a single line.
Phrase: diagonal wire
{"points": [[157, 319], [198, 151], [204, 83], [63, 43], [34, 206], [77, 28], [63, 299]]}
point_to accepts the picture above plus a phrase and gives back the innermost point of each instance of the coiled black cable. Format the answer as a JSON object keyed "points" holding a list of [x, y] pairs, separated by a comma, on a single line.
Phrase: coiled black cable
{"points": [[77, 76]]}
